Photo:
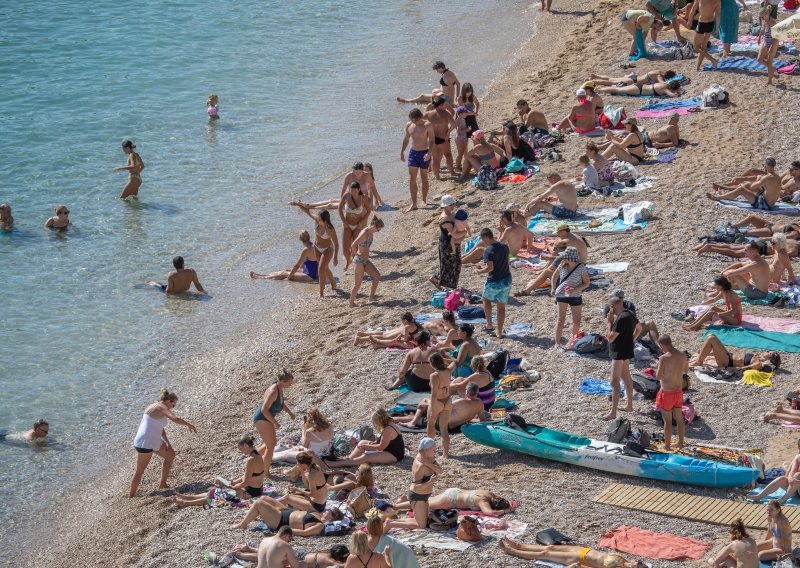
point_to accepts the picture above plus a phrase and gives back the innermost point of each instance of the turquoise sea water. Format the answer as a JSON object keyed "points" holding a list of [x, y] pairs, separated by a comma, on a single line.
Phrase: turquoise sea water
{"points": [[305, 89]]}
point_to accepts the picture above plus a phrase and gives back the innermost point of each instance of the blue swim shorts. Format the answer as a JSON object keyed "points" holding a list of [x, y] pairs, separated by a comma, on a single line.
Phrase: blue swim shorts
{"points": [[560, 212], [416, 159], [497, 292]]}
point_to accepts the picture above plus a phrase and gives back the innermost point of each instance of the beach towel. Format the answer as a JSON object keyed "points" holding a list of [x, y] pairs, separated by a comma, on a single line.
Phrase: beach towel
{"points": [[762, 323], [652, 544], [516, 330], [603, 221], [470, 244], [757, 378], [757, 340], [705, 377], [777, 494], [512, 528], [607, 268], [431, 539], [410, 399], [778, 209], [673, 105], [595, 386], [743, 63]]}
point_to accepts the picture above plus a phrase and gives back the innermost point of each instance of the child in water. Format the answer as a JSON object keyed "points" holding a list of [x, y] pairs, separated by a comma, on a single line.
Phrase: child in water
{"points": [[213, 106], [460, 231]]}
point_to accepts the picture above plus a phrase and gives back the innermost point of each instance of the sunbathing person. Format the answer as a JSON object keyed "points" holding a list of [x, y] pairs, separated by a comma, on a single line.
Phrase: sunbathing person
{"points": [[483, 153], [581, 117], [778, 538], [594, 98], [404, 336], [331, 558], [668, 136], [515, 235], [560, 199], [568, 555], [671, 89], [275, 515], [766, 361], [781, 414], [763, 228], [445, 327], [482, 378], [340, 480], [316, 437], [464, 410], [315, 494], [634, 78], [781, 260], [752, 277], [790, 482], [730, 314], [389, 448], [464, 352], [765, 248], [531, 120], [479, 500], [742, 551], [416, 369], [422, 99], [629, 148], [307, 260], [762, 193]]}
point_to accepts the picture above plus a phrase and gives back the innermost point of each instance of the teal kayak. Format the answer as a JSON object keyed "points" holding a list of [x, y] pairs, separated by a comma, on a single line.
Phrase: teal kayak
{"points": [[606, 456]]}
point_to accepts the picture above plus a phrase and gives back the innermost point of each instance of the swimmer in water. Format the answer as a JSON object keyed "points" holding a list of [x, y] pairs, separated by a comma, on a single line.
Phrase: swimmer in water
{"points": [[180, 279], [134, 168], [60, 221], [308, 260], [6, 220], [40, 430], [213, 106]]}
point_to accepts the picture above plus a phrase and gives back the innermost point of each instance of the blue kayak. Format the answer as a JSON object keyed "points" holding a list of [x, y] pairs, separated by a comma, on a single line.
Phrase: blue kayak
{"points": [[606, 456]]}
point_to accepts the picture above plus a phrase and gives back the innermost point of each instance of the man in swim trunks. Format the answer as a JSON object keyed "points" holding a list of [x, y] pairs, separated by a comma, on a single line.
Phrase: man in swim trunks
{"points": [[464, 410], [515, 235], [668, 136], [530, 119], [706, 12], [443, 124], [566, 204], [181, 279], [448, 80], [6, 220], [753, 277], [672, 365], [498, 282], [420, 133], [762, 194], [276, 552]]}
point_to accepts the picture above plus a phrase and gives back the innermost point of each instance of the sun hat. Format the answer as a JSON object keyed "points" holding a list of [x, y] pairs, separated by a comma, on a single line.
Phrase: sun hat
{"points": [[580, 93], [426, 443], [447, 200], [461, 215], [570, 254], [562, 227], [478, 134], [589, 84]]}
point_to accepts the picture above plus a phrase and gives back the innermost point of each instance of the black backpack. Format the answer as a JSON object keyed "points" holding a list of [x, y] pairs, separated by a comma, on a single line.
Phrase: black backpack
{"points": [[618, 430], [591, 343], [497, 365], [648, 386]]}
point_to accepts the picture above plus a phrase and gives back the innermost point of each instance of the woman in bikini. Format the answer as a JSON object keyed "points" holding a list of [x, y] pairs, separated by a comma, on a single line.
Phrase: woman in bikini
{"points": [[568, 555], [741, 552], [634, 78], [354, 210], [416, 369], [724, 359], [362, 556], [763, 228], [424, 474], [315, 494], [134, 168], [482, 500], [768, 49], [441, 404], [481, 377], [581, 117], [317, 438], [389, 448], [445, 327], [778, 538], [729, 314], [307, 260], [341, 480], [670, 89], [377, 202], [407, 338], [463, 353], [250, 485], [483, 153], [360, 250], [265, 416], [326, 245], [276, 515], [630, 148], [60, 221]]}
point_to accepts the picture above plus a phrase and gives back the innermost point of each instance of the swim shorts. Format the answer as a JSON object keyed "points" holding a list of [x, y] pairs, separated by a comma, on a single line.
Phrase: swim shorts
{"points": [[570, 300], [560, 212], [761, 202], [667, 400], [753, 293], [497, 292], [416, 159], [705, 27]]}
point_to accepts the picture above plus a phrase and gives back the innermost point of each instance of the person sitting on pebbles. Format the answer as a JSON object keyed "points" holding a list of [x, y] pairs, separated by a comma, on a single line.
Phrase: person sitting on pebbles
{"points": [[560, 200]]}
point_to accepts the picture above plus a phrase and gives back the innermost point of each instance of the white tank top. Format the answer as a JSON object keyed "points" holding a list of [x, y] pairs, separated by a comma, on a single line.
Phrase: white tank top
{"points": [[148, 437]]}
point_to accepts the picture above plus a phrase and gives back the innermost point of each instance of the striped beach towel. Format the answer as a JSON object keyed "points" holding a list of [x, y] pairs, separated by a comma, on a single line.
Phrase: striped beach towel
{"points": [[744, 64]]}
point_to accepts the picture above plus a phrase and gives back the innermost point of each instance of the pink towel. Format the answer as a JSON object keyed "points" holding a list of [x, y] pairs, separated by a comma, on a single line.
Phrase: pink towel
{"points": [[783, 325], [652, 544], [788, 69], [660, 113]]}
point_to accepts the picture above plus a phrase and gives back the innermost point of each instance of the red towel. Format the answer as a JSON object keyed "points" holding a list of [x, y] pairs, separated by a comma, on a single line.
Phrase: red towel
{"points": [[652, 544]]}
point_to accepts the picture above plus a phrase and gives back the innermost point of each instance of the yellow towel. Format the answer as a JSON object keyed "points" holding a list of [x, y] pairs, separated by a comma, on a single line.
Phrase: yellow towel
{"points": [[758, 378]]}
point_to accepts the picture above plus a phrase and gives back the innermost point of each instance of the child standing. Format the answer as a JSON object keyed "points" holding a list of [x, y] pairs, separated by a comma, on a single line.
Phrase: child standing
{"points": [[213, 106]]}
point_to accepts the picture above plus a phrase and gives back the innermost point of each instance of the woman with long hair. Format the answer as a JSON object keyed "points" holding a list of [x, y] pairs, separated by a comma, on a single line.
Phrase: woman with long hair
{"points": [[387, 450], [354, 210], [326, 245], [416, 369], [363, 264], [629, 148], [729, 314], [741, 552], [307, 260], [265, 416], [316, 437]]}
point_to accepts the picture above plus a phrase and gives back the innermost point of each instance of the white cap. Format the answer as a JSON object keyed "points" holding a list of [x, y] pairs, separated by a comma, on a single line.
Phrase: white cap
{"points": [[447, 200], [580, 93]]}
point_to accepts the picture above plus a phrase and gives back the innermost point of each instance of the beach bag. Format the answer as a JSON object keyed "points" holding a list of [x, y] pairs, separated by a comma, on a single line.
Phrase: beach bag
{"points": [[442, 520], [623, 171], [515, 165], [590, 343], [437, 299], [487, 178], [688, 411], [639, 436], [358, 502], [549, 537], [468, 530], [497, 365], [618, 430], [455, 300], [647, 386], [470, 313], [611, 118], [714, 96]]}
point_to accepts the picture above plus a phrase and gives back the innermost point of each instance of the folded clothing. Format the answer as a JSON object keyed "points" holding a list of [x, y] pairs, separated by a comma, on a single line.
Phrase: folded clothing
{"points": [[651, 544]]}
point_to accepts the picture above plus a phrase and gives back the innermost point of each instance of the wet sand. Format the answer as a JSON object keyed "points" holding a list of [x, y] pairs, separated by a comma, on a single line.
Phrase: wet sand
{"points": [[313, 337]]}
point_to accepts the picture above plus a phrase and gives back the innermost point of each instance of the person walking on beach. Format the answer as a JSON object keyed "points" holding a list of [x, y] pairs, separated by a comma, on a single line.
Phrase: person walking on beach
{"points": [[151, 438], [181, 279], [134, 168], [363, 264], [448, 80], [6, 220], [707, 13], [568, 288], [449, 262], [441, 405], [420, 134], [265, 416], [354, 210], [672, 366], [498, 282], [443, 124], [622, 327]]}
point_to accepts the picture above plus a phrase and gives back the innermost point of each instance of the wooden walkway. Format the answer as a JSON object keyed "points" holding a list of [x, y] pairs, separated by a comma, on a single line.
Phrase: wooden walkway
{"points": [[692, 507]]}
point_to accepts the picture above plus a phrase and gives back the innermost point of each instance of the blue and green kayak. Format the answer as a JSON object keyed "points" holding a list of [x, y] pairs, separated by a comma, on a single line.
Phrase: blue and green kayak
{"points": [[606, 456]]}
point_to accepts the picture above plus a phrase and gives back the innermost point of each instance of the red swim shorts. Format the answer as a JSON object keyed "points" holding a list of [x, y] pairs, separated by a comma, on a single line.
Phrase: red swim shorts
{"points": [[667, 400]]}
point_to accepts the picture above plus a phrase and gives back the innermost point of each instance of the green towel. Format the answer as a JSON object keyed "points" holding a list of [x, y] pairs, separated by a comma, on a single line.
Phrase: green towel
{"points": [[753, 339]]}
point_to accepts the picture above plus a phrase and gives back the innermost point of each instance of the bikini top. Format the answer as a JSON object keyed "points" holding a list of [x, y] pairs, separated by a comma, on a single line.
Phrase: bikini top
{"points": [[368, 559], [323, 234], [641, 142], [257, 455], [355, 210], [441, 79]]}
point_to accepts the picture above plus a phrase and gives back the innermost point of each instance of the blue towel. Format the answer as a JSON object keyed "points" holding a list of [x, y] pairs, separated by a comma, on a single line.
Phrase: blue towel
{"points": [[747, 63], [672, 104], [777, 209], [470, 244], [595, 386], [777, 494], [756, 339]]}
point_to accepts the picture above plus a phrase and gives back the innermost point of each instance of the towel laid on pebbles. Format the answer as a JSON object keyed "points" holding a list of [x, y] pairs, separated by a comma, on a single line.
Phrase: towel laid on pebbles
{"points": [[651, 544], [755, 339], [660, 108], [743, 63], [777, 209], [431, 539]]}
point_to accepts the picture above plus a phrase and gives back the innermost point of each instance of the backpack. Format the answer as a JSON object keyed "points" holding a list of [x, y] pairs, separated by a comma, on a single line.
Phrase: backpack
{"points": [[618, 430], [648, 386], [633, 449], [470, 313], [591, 343], [487, 178], [497, 365], [516, 422], [455, 300]]}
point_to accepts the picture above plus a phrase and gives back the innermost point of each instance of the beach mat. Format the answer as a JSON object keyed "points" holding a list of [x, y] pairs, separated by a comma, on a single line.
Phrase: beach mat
{"points": [[431, 539], [778, 209], [744, 64], [777, 494], [757, 340], [763, 323], [541, 226], [660, 546], [663, 108], [411, 399]]}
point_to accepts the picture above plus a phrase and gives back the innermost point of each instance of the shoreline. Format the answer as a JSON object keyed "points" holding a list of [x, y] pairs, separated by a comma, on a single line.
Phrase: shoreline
{"points": [[149, 531]]}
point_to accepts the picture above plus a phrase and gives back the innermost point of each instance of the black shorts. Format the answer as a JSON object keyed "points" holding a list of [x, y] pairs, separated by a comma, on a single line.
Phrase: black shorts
{"points": [[570, 300], [694, 25], [254, 491], [142, 450], [705, 27]]}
